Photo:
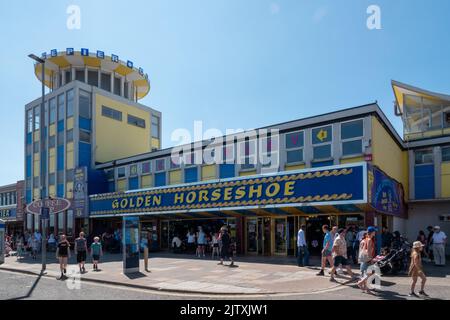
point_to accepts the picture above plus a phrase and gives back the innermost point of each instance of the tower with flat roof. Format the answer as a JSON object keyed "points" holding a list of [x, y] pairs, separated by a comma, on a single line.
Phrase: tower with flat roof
{"points": [[92, 116]]}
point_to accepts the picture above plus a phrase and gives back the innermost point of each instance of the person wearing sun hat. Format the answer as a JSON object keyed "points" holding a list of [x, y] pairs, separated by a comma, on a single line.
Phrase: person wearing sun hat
{"points": [[416, 269]]}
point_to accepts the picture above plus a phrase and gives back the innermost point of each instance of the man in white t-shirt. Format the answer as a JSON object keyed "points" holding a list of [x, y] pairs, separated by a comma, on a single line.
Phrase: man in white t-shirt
{"points": [[439, 239]]}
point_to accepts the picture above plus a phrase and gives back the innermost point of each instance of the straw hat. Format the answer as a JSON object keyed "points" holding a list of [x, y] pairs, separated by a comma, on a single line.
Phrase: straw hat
{"points": [[418, 244]]}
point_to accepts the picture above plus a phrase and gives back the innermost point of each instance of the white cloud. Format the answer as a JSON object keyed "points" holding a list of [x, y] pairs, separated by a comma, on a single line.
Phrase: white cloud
{"points": [[319, 14], [274, 8]]}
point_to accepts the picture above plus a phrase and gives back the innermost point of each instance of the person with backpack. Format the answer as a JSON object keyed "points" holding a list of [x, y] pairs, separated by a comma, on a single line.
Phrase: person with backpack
{"points": [[81, 251]]}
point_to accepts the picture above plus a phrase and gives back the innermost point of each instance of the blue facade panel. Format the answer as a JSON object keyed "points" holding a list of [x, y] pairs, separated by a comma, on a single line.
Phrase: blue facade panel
{"points": [[226, 171], [84, 150], [160, 179], [29, 138], [133, 183], [84, 124], [60, 125], [28, 166], [322, 164], [111, 186], [190, 175], [60, 190], [28, 196], [424, 181]]}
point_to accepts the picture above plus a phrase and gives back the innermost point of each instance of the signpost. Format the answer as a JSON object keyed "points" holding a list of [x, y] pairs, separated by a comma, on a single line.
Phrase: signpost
{"points": [[2, 242], [130, 240]]}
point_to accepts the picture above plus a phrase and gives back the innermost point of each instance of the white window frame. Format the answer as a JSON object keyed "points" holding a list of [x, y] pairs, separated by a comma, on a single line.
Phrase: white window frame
{"points": [[322, 144], [295, 148], [141, 166], [242, 156], [165, 165], [352, 139]]}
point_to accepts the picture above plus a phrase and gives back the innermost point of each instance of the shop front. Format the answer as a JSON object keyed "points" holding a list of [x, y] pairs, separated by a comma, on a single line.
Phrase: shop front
{"points": [[263, 213]]}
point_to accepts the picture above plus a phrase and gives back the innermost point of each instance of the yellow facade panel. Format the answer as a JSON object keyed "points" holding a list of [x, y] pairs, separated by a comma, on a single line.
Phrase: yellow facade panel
{"points": [[156, 143], [69, 190], [36, 136], [352, 160], [209, 172], [247, 173], [121, 185], [388, 156], [146, 181], [36, 168], [69, 123], [294, 167], [51, 160], [110, 133], [445, 180], [52, 130], [36, 193], [52, 191], [69, 159], [175, 177], [445, 168]]}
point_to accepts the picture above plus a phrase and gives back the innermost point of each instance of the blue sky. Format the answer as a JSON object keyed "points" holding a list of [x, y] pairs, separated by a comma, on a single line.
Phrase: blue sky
{"points": [[234, 63]]}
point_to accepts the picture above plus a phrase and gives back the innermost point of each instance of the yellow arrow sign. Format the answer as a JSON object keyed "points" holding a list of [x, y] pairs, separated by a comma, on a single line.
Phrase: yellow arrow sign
{"points": [[322, 135]]}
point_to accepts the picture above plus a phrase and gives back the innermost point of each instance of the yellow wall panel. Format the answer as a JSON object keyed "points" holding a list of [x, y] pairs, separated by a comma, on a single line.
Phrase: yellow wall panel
{"points": [[69, 190], [52, 130], [388, 156], [294, 167], [209, 172], [51, 160], [69, 123], [111, 133], [352, 160], [69, 160], [36, 193], [36, 169], [69, 146], [445, 180], [122, 185], [156, 143], [36, 135], [146, 181], [52, 191], [247, 173], [175, 177]]}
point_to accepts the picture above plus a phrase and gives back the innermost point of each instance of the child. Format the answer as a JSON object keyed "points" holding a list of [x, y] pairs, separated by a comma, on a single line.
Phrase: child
{"points": [[215, 245], [416, 270], [96, 252]]}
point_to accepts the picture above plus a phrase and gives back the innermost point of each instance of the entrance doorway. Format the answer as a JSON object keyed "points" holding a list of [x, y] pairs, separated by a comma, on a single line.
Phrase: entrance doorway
{"points": [[259, 240], [314, 234]]}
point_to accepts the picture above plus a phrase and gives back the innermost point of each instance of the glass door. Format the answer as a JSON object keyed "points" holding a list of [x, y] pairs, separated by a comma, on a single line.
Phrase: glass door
{"points": [[281, 231], [165, 241], [252, 236]]}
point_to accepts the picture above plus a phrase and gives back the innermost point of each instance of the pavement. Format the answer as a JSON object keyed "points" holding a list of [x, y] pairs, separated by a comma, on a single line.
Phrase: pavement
{"points": [[186, 274]]}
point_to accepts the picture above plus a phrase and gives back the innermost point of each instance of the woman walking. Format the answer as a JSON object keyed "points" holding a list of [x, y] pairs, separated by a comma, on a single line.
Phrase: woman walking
{"points": [[201, 242], [416, 269], [215, 245], [366, 255], [63, 254]]}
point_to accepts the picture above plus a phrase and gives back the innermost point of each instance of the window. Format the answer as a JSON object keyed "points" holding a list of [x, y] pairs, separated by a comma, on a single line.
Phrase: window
{"points": [[61, 107], [36, 147], [68, 76], [446, 153], [295, 143], [69, 137], [61, 222], [146, 167], [30, 121], [70, 102], [135, 121], [106, 81], [117, 86], [109, 174], [247, 153], [155, 126], [85, 136], [36, 182], [85, 105], [93, 78], [36, 118], [121, 172], [160, 164], [424, 156], [111, 113], [51, 179], [321, 139], [61, 138], [52, 141], [125, 90], [69, 175], [174, 162], [79, 75], [133, 170], [52, 110], [351, 136]]}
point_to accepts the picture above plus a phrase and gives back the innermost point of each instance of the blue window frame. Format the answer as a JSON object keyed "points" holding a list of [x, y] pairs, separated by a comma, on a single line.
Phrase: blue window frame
{"points": [[190, 175], [226, 171], [160, 179], [133, 183]]}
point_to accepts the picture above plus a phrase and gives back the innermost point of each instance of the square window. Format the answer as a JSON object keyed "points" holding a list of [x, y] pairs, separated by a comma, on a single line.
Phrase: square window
{"points": [[352, 129], [322, 135], [160, 165], [85, 136], [295, 140], [146, 167], [352, 147], [446, 154], [424, 156], [133, 170], [294, 156], [322, 152], [121, 172]]}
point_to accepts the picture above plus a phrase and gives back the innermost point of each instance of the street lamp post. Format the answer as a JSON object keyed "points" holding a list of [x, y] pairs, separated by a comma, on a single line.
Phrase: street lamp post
{"points": [[42, 148]]}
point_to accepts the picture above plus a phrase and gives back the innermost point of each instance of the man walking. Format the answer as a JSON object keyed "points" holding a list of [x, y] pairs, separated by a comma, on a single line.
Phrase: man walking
{"points": [[339, 252], [302, 248], [81, 250], [439, 240], [326, 250]]}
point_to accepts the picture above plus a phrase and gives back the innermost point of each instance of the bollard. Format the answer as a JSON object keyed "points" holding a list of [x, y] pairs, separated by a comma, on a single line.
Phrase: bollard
{"points": [[146, 258]]}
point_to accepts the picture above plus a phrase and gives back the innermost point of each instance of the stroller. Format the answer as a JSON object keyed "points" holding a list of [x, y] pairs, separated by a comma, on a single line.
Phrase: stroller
{"points": [[395, 261]]}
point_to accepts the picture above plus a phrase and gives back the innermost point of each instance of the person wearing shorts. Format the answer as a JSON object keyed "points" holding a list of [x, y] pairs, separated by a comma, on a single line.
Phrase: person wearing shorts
{"points": [[225, 247], [81, 250], [326, 251], [339, 253], [215, 245], [63, 254], [96, 252], [201, 242]]}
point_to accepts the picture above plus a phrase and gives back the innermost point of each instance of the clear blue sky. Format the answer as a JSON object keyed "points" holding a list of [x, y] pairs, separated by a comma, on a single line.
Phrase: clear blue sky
{"points": [[231, 63]]}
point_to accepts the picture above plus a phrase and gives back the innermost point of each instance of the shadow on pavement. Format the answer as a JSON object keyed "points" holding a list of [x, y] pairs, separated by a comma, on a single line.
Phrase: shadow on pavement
{"points": [[30, 292], [135, 275]]}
